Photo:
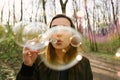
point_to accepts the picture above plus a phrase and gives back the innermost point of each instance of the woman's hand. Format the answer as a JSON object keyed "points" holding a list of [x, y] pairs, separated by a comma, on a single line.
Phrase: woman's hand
{"points": [[29, 56]]}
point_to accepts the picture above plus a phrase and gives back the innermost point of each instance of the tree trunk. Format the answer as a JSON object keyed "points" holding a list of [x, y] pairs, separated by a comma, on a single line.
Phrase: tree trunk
{"points": [[2, 13], [114, 18], [21, 18], [63, 6], [14, 18], [44, 14]]}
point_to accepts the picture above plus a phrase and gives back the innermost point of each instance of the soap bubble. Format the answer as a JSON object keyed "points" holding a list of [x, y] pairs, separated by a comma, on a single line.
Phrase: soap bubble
{"points": [[75, 40], [3, 32], [17, 31], [33, 30], [59, 38], [24, 32], [32, 34]]}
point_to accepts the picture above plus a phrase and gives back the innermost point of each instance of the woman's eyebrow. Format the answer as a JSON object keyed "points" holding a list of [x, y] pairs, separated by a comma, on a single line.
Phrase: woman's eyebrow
{"points": [[53, 25]]}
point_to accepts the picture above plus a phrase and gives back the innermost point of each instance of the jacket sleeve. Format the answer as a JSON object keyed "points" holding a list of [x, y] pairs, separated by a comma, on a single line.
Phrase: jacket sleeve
{"points": [[28, 73]]}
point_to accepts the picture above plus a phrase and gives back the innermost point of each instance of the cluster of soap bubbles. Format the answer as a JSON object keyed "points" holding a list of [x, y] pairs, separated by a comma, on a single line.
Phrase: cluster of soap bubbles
{"points": [[37, 35]]}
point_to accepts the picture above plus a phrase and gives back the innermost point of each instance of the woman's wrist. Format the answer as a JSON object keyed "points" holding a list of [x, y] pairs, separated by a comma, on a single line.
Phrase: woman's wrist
{"points": [[28, 64]]}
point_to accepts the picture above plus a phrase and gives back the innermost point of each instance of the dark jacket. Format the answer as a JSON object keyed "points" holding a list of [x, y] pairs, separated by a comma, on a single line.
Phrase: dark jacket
{"points": [[40, 72]]}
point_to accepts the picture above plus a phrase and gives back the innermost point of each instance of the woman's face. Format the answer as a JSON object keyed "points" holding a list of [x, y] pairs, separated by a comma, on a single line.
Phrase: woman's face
{"points": [[62, 36]]}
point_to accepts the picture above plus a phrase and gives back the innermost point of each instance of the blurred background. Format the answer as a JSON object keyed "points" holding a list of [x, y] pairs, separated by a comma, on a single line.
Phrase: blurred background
{"points": [[97, 20]]}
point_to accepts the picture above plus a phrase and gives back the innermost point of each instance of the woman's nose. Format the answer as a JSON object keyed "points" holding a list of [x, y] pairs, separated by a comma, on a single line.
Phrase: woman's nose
{"points": [[59, 35]]}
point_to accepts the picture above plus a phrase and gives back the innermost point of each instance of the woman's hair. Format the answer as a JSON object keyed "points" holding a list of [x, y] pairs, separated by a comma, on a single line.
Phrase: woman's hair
{"points": [[62, 16], [70, 54]]}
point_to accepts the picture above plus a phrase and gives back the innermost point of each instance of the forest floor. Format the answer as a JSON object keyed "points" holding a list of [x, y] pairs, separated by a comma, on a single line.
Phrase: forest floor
{"points": [[103, 69], [9, 68]]}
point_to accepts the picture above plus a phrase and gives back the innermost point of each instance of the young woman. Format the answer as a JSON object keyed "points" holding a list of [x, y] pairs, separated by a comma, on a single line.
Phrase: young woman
{"points": [[34, 69]]}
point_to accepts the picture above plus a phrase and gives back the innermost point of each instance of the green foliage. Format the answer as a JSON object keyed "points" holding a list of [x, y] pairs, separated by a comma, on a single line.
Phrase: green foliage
{"points": [[9, 50], [109, 47], [105, 50], [2, 31]]}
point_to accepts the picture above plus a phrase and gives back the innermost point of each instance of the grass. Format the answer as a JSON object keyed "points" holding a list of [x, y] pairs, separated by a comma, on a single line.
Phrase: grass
{"points": [[105, 50]]}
